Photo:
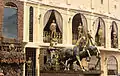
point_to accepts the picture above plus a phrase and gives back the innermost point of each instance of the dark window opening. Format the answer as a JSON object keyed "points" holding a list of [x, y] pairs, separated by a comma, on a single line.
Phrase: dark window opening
{"points": [[31, 24], [114, 35], [52, 17], [100, 32], [75, 23], [97, 38], [30, 53], [47, 32]]}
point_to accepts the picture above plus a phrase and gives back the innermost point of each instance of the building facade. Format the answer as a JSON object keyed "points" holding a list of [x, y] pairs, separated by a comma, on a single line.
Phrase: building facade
{"points": [[11, 36], [34, 17]]}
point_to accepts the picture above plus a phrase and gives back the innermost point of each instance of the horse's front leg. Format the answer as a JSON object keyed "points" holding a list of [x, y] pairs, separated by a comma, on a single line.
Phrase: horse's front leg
{"points": [[64, 64], [99, 58], [67, 66], [78, 58], [88, 55]]}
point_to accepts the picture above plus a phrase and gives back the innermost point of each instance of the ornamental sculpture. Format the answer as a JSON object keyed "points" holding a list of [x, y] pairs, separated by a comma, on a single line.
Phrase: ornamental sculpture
{"points": [[53, 36], [114, 40], [29, 64], [63, 58]]}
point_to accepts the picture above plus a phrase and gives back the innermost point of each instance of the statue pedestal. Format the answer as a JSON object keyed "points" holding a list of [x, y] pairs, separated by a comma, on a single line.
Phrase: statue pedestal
{"points": [[29, 72], [70, 73]]}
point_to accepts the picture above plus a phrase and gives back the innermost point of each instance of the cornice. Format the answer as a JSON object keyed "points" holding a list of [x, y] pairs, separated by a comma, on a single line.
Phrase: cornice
{"points": [[66, 7]]}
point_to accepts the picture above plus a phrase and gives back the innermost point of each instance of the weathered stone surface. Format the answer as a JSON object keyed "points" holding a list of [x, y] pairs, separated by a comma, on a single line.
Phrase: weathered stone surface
{"points": [[70, 73]]}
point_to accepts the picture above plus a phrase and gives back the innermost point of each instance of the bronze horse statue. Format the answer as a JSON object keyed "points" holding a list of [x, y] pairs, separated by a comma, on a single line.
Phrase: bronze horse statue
{"points": [[78, 52]]}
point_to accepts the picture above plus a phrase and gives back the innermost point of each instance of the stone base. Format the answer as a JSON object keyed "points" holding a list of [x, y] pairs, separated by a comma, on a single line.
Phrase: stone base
{"points": [[70, 73]]}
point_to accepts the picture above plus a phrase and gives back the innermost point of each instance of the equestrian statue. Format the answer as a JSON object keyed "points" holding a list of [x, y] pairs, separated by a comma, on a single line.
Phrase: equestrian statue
{"points": [[84, 48]]}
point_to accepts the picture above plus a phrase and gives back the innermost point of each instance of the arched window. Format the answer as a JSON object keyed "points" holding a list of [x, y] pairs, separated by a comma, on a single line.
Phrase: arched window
{"points": [[31, 24], [99, 32], [112, 66], [114, 35], [10, 21], [78, 19], [50, 16]]}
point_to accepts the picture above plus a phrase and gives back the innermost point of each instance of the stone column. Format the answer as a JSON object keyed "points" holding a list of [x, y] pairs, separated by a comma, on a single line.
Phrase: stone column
{"points": [[118, 35], [35, 24], [37, 62], [103, 63], [69, 28], [108, 33], [24, 64]]}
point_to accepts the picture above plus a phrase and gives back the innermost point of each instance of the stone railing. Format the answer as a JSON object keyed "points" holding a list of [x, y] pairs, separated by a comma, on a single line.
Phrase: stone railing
{"points": [[46, 37]]}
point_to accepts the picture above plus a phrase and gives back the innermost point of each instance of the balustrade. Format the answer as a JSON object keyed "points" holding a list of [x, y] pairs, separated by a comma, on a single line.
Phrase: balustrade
{"points": [[46, 37]]}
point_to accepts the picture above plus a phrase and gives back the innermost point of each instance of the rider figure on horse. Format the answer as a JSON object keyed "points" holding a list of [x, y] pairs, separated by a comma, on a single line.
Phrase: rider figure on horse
{"points": [[84, 42], [81, 40], [80, 44], [89, 39]]}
